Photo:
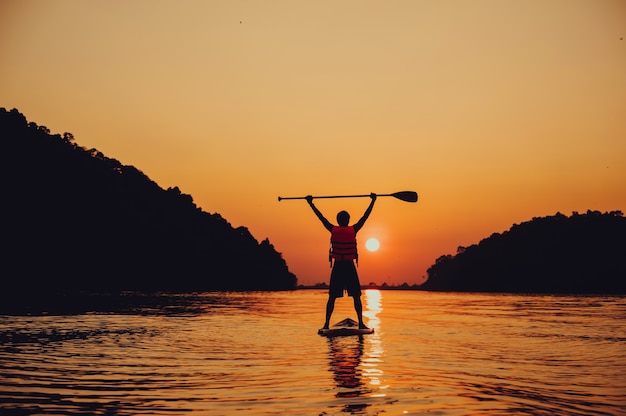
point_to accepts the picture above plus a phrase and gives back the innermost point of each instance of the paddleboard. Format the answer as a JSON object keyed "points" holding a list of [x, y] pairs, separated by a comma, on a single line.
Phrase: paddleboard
{"points": [[344, 328]]}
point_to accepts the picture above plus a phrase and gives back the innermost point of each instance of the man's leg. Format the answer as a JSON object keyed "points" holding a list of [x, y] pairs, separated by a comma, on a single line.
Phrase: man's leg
{"points": [[330, 306], [358, 307]]}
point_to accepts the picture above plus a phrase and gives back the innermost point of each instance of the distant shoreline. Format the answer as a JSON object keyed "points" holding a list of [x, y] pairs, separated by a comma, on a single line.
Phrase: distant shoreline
{"points": [[417, 288], [404, 286]]}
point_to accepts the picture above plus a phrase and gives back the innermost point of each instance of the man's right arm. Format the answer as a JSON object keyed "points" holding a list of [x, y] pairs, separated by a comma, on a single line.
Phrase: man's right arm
{"points": [[366, 215]]}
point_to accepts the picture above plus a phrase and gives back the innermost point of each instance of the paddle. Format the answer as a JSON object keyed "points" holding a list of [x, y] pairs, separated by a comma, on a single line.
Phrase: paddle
{"points": [[406, 196]]}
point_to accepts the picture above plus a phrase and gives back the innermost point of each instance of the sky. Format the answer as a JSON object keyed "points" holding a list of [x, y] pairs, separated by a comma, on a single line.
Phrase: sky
{"points": [[494, 111]]}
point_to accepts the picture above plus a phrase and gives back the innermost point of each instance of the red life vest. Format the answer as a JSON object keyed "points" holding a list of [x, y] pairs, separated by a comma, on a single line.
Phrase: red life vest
{"points": [[343, 244]]}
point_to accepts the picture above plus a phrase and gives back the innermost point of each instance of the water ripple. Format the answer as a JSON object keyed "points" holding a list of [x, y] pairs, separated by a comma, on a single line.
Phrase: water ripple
{"points": [[257, 354]]}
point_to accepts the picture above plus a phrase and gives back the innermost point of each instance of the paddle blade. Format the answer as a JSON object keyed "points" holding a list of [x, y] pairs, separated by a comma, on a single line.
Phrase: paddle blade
{"points": [[407, 196]]}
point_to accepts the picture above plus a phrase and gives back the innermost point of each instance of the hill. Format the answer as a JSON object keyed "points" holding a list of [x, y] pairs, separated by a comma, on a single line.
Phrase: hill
{"points": [[75, 220], [583, 253]]}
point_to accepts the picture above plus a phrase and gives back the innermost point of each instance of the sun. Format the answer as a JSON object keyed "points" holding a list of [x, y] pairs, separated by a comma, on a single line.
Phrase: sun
{"points": [[372, 244]]}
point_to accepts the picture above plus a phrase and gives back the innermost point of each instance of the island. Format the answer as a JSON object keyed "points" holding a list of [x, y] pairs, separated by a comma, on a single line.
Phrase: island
{"points": [[76, 220], [577, 254]]}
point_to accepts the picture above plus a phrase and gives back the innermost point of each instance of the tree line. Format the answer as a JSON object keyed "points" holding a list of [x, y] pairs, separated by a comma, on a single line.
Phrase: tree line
{"points": [[74, 219], [582, 253]]}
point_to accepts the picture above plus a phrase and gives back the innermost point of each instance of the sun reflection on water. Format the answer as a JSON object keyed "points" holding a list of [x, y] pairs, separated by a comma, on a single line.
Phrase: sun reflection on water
{"points": [[355, 361], [373, 306], [375, 350]]}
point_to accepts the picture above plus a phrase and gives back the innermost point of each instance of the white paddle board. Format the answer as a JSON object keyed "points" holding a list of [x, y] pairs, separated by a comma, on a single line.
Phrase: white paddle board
{"points": [[344, 328]]}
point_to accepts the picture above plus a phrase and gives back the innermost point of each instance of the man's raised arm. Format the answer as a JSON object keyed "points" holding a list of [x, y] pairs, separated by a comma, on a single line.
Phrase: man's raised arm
{"points": [[366, 215], [317, 212]]}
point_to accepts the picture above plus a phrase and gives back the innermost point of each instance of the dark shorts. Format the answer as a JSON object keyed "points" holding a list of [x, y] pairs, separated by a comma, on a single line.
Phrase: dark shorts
{"points": [[344, 277]]}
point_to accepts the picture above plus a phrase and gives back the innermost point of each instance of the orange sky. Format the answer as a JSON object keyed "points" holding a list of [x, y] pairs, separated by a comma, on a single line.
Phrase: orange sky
{"points": [[493, 111]]}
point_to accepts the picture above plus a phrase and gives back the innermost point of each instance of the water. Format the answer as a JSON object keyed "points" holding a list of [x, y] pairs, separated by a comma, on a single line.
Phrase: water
{"points": [[259, 354]]}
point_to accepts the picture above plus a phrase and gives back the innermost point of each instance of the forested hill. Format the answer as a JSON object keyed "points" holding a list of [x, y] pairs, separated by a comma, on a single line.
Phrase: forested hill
{"points": [[74, 219], [583, 253]]}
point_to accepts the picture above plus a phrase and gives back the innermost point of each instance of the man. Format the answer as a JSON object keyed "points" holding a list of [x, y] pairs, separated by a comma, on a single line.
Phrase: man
{"points": [[343, 254]]}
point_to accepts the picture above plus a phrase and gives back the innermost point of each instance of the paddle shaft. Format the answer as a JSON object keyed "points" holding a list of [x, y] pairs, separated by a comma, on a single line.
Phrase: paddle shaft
{"points": [[407, 196], [280, 198]]}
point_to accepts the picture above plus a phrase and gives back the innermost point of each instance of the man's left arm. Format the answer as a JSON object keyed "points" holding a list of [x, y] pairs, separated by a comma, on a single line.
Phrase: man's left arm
{"points": [[327, 224]]}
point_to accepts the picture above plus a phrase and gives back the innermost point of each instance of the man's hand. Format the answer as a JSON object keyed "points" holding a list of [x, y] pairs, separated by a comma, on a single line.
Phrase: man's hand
{"points": [[373, 196], [309, 199]]}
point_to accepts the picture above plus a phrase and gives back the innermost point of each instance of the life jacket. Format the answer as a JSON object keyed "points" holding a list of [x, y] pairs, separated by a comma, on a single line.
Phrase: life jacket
{"points": [[343, 244]]}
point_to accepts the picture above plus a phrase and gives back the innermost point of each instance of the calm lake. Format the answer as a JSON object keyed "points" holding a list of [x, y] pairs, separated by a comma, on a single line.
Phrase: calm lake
{"points": [[259, 354]]}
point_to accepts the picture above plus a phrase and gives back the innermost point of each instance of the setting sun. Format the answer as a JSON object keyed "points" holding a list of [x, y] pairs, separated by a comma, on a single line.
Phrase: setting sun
{"points": [[372, 244]]}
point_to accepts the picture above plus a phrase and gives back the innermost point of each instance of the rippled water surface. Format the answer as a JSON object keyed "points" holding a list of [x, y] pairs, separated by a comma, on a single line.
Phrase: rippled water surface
{"points": [[259, 353]]}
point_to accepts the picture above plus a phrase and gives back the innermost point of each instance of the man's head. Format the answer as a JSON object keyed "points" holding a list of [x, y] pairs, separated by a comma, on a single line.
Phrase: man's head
{"points": [[343, 218]]}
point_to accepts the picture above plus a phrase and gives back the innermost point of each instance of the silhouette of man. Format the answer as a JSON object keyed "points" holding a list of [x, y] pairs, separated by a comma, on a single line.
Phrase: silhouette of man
{"points": [[343, 254]]}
